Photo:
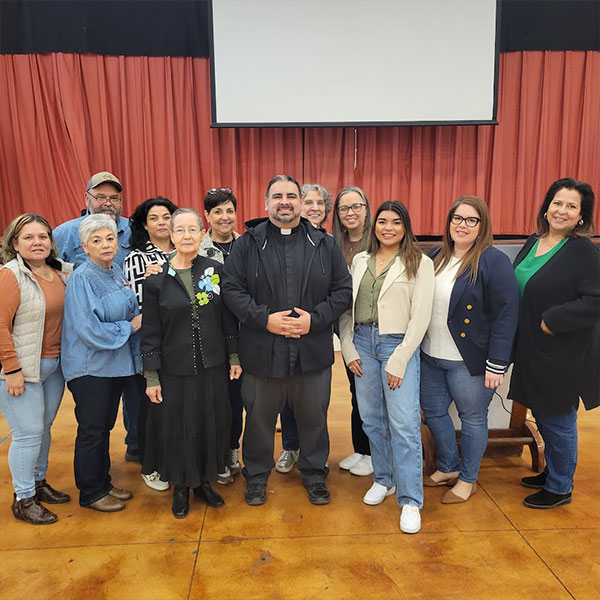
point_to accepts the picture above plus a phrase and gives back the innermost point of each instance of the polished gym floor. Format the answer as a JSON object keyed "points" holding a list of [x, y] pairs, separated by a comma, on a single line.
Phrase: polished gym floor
{"points": [[489, 547]]}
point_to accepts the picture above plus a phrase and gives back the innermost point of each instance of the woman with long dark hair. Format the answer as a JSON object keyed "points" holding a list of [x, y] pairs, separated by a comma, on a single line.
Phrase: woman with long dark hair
{"points": [[467, 348], [392, 288], [352, 230]]}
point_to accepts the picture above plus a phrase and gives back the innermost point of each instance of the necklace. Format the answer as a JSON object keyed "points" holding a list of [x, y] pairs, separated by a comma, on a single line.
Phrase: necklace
{"points": [[224, 247]]}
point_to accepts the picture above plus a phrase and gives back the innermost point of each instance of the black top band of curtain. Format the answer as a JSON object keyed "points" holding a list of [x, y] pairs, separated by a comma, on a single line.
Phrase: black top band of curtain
{"points": [[180, 27]]}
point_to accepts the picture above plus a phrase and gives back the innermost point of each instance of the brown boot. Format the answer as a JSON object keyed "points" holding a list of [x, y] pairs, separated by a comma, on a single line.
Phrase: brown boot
{"points": [[32, 512], [46, 493]]}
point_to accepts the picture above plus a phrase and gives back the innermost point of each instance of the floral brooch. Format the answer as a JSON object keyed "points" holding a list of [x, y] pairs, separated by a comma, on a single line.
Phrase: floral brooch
{"points": [[208, 286]]}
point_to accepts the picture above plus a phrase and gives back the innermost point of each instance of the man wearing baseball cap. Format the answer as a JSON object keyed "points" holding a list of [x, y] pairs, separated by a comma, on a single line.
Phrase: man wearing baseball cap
{"points": [[103, 195]]}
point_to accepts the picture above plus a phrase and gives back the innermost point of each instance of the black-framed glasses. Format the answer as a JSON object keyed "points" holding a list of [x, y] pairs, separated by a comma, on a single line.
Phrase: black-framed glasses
{"points": [[469, 221], [356, 208], [217, 190], [103, 199]]}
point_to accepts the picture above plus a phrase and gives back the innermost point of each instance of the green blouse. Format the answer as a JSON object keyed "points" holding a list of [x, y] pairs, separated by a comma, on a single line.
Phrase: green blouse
{"points": [[531, 264], [365, 308]]}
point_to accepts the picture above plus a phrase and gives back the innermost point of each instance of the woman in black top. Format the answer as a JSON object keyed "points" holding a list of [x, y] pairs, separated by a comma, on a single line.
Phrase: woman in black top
{"points": [[558, 271], [187, 335]]}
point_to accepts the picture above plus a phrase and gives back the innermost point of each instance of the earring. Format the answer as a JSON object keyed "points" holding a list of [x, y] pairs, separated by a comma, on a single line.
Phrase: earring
{"points": [[546, 216], [580, 222]]}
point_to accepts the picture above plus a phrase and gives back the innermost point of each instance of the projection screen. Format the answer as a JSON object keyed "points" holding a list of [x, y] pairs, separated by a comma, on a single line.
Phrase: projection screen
{"points": [[354, 62]]}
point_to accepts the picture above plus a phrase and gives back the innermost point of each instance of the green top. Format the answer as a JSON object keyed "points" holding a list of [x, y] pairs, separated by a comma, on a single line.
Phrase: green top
{"points": [[531, 264], [365, 307], [186, 278]]}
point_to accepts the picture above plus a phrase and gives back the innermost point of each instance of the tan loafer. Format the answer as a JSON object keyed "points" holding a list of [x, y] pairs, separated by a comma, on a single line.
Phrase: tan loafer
{"points": [[107, 504], [451, 498], [121, 494]]}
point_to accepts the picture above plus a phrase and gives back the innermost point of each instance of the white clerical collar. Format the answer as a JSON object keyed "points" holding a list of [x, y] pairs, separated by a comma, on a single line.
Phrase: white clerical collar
{"points": [[285, 231]]}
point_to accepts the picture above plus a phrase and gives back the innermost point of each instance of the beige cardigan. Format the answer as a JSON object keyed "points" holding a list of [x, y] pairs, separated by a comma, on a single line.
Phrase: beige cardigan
{"points": [[404, 306]]}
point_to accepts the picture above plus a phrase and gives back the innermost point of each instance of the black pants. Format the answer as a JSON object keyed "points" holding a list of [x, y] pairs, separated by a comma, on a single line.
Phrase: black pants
{"points": [[237, 408], [96, 407], [360, 441], [308, 397]]}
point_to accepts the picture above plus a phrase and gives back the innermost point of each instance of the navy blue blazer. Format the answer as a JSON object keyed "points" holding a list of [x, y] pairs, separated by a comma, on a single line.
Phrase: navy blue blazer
{"points": [[483, 317]]}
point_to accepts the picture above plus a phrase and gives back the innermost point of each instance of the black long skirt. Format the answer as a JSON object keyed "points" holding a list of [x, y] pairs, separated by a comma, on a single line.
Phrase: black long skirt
{"points": [[187, 437]]}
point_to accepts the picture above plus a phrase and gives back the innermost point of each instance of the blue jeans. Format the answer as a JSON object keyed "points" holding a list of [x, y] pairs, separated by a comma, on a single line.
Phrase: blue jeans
{"points": [[559, 432], [30, 417], [446, 381], [289, 429], [391, 418]]}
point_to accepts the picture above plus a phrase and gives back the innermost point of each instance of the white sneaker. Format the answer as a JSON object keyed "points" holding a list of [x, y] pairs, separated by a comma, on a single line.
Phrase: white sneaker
{"points": [[410, 520], [234, 461], [225, 477], [286, 461], [363, 467], [377, 493], [153, 481], [350, 461]]}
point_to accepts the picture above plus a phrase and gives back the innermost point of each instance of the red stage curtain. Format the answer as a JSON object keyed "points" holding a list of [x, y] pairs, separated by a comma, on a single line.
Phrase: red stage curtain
{"points": [[147, 119]]}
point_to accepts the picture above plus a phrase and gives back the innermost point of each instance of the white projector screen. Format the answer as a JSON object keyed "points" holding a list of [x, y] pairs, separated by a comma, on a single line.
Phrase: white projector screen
{"points": [[353, 62]]}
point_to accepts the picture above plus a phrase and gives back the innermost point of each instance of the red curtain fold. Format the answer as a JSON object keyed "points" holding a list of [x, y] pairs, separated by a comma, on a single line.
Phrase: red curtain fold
{"points": [[147, 119]]}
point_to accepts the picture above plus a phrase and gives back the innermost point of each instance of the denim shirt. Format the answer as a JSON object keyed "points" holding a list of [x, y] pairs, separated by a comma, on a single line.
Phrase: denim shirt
{"points": [[97, 335], [69, 247]]}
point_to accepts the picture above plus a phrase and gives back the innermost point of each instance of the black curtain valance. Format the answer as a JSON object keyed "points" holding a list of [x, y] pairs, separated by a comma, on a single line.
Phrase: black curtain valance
{"points": [[180, 27]]}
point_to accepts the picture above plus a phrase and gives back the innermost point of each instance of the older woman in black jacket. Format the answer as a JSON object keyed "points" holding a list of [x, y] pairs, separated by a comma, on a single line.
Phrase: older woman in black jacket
{"points": [[187, 335], [558, 271]]}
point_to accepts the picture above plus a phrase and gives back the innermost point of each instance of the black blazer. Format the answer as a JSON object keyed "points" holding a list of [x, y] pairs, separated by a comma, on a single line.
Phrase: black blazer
{"points": [[551, 372], [168, 342], [482, 317]]}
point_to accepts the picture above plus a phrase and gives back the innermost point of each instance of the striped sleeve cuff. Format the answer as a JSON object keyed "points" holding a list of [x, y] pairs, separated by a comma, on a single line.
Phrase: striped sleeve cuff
{"points": [[495, 368]]}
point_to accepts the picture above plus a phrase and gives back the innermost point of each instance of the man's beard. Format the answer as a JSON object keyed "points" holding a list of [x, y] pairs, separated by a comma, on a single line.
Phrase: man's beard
{"points": [[285, 219], [110, 211]]}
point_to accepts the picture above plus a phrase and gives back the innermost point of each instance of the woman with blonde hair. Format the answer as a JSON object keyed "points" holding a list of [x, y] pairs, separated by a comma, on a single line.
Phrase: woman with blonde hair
{"points": [[31, 314], [467, 348]]}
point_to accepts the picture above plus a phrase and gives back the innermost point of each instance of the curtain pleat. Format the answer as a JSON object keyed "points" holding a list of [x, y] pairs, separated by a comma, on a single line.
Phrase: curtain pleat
{"points": [[147, 119]]}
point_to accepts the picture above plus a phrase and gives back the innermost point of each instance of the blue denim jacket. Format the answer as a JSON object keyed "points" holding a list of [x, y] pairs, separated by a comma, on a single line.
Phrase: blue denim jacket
{"points": [[69, 247], [97, 335]]}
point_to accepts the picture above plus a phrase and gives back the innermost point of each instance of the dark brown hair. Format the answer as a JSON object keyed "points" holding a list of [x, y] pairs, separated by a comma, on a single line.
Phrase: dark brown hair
{"points": [[586, 229], [408, 251]]}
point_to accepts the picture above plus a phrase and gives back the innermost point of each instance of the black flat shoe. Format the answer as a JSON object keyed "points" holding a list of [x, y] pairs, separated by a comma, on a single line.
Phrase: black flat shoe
{"points": [[181, 501], [535, 482], [31, 511], [46, 493], [546, 499], [205, 493]]}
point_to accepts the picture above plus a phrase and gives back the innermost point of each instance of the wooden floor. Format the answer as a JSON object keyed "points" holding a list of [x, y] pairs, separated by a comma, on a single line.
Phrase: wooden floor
{"points": [[490, 547]]}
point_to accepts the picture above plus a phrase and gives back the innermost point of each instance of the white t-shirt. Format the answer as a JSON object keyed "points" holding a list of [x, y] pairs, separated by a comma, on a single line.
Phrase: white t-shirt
{"points": [[438, 341]]}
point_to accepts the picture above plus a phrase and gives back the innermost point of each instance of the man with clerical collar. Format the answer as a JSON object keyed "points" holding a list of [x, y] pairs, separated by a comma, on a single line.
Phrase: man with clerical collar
{"points": [[287, 283], [103, 195]]}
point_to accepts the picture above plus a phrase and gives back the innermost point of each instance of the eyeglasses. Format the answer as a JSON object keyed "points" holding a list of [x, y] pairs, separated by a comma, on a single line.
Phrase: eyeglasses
{"points": [[217, 190], [183, 230], [356, 208], [469, 221], [103, 199]]}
